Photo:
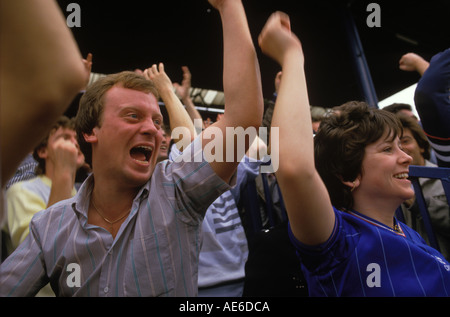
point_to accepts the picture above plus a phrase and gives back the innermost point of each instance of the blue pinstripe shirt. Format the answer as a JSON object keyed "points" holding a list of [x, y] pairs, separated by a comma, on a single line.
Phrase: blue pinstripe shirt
{"points": [[155, 252], [364, 257]]}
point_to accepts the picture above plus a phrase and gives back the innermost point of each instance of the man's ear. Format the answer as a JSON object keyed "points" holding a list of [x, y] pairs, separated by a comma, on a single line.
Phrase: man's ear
{"points": [[91, 137], [42, 152]]}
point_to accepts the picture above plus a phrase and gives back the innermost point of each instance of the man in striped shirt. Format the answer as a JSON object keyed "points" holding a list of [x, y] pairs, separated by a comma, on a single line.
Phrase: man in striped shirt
{"points": [[133, 229]]}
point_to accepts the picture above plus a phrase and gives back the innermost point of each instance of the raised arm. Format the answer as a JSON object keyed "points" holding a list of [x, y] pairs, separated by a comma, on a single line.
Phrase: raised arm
{"points": [[183, 92], [241, 80], [65, 161], [178, 116], [41, 71], [307, 202]]}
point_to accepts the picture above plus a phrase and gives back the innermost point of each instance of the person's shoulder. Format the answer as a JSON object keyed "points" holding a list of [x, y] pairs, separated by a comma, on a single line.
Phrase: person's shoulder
{"points": [[55, 211], [24, 185]]}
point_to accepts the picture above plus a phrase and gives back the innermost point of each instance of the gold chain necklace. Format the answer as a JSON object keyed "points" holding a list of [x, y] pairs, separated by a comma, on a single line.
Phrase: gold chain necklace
{"points": [[106, 219]]}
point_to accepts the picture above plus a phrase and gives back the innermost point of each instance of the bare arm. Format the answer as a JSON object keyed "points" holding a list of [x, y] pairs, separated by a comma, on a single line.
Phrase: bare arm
{"points": [[307, 202], [183, 92], [178, 116], [41, 71], [241, 80]]}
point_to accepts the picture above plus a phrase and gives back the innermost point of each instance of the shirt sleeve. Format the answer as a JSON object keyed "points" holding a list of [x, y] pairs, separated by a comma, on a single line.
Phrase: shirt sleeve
{"points": [[432, 100], [23, 272], [22, 205], [330, 253], [191, 185], [247, 170], [432, 96]]}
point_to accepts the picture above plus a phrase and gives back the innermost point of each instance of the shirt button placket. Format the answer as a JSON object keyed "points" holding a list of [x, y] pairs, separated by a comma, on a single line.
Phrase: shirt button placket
{"points": [[105, 274]]}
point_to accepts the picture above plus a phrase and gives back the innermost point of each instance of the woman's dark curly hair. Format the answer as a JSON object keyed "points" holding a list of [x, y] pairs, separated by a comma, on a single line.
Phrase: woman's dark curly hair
{"points": [[339, 145]]}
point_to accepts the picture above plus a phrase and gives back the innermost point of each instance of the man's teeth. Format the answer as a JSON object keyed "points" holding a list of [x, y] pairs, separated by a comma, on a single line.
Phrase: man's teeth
{"points": [[401, 175], [141, 153]]}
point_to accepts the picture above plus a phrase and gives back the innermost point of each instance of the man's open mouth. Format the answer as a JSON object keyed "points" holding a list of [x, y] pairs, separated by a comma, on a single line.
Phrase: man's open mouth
{"points": [[141, 153]]}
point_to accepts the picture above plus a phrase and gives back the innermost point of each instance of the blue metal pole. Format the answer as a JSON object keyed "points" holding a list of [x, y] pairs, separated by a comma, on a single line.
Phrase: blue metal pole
{"points": [[362, 70]]}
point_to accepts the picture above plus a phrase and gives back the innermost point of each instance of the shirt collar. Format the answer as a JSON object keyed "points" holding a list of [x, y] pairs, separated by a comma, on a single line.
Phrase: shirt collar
{"points": [[398, 229], [83, 198]]}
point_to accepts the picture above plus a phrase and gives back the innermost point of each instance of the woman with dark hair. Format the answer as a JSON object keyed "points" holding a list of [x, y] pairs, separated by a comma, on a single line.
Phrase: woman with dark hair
{"points": [[341, 189], [343, 136]]}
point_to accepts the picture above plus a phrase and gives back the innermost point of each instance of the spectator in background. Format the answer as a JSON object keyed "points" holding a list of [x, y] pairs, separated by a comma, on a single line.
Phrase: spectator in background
{"points": [[164, 150], [415, 143], [402, 108], [59, 157], [432, 100], [406, 110], [25, 171]]}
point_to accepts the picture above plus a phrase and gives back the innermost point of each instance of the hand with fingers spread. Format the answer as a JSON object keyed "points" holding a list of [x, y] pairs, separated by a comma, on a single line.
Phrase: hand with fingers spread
{"points": [[183, 89], [159, 77]]}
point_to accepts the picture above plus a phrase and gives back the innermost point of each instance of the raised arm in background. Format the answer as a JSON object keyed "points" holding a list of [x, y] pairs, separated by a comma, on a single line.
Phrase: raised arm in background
{"points": [[178, 116], [183, 92]]}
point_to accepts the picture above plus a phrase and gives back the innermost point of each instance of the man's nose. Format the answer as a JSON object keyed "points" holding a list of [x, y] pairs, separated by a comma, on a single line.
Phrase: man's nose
{"points": [[149, 127]]}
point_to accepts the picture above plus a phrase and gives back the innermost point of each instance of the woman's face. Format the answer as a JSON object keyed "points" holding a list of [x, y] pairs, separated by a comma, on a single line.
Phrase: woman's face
{"points": [[385, 170]]}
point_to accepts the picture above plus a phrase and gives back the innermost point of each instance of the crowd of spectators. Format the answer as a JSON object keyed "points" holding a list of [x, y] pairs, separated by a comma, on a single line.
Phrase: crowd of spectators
{"points": [[116, 192]]}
